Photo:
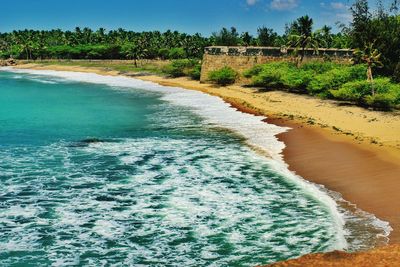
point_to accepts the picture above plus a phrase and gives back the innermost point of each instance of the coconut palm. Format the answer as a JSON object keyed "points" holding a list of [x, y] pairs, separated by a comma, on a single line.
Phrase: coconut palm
{"points": [[302, 37], [135, 51], [371, 57], [324, 36]]}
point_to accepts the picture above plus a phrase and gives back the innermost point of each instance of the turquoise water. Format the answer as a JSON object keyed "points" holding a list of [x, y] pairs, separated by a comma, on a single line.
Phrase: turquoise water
{"points": [[96, 175]]}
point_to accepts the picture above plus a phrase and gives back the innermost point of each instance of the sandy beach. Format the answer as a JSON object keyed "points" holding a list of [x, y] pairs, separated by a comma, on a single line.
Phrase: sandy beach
{"points": [[350, 150]]}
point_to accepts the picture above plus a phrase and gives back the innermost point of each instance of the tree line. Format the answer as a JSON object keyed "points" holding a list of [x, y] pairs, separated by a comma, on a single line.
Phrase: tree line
{"points": [[379, 27], [122, 44]]}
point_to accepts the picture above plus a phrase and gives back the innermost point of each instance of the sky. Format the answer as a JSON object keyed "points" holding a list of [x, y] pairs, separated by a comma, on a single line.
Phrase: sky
{"points": [[190, 16]]}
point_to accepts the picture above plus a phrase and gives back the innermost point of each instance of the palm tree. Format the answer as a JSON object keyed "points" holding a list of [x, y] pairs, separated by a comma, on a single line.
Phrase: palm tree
{"points": [[324, 36], [302, 37], [135, 51], [371, 57]]}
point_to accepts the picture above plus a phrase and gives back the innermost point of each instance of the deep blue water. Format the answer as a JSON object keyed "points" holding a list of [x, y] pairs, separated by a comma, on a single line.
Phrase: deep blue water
{"points": [[96, 175]]}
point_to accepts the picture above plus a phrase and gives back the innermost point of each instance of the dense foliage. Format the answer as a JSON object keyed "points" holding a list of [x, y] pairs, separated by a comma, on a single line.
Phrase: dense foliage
{"points": [[327, 80], [183, 67], [88, 44], [122, 44], [223, 76], [381, 28]]}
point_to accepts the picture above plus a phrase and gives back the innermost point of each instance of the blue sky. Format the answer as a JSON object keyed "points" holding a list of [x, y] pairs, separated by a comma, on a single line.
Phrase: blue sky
{"points": [[204, 16]]}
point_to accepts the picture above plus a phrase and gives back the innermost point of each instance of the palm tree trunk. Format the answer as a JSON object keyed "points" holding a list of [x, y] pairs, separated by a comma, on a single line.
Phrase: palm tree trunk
{"points": [[370, 78], [302, 54]]}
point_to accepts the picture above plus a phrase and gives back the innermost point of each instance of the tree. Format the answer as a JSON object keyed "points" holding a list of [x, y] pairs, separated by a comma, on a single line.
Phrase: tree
{"points": [[226, 37], [371, 57], [266, 36], [302, 37], [246, 38], [134, 51], [324, 36], [361, 30]]}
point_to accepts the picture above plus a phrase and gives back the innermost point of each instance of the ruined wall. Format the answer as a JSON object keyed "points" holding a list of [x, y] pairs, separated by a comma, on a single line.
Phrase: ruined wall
{"points": [[243, 58]]}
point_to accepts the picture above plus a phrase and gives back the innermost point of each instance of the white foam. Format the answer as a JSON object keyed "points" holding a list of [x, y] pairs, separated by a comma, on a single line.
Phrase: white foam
{"points": [[216, 112]]}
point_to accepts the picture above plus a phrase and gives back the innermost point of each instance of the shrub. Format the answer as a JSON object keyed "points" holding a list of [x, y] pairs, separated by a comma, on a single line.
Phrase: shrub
{"points": [[334, 78], [177, 53], [384, 101], [223, 76], [280, 75], [195, 73], [353, 91], [179, 68], [387, 94], [296, 80], [253, 71], [396, 74], [319, 67], [163, 53], [270, 75]]}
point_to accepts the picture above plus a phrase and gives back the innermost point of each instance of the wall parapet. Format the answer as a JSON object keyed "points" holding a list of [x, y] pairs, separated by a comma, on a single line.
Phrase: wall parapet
{"points": [[275, 51], [243, 58]]}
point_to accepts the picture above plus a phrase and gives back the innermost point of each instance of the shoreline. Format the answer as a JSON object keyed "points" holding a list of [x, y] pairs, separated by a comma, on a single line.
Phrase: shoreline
{"points": [[365, 174]]}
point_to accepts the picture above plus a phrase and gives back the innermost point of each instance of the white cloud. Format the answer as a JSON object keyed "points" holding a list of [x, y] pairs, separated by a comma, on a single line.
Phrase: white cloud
{"points": [[284, 4], [338, 6], [251, 2], [336, 11]]}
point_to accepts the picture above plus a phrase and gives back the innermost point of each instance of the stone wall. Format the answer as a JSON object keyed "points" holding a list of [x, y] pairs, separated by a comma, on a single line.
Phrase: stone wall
{"points": [[244, 58]]}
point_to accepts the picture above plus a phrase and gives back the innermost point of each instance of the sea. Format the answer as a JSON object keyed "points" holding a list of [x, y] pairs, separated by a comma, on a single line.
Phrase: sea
{"points": [[114, 171]]}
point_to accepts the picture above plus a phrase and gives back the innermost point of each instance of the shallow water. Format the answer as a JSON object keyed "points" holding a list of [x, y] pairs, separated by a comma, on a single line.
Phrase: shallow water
{"points": [[128, 173]]}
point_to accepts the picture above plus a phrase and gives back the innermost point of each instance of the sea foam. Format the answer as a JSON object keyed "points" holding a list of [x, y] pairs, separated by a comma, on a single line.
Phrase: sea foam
{"points": [[255, 131]]}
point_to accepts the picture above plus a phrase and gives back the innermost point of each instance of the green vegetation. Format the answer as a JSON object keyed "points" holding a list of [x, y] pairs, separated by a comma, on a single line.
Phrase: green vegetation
{"points": [[380, 27], [183, 67], [88, 44], [334, 78], [302, 37], [386, 94], [223, 76], [328, 80]]}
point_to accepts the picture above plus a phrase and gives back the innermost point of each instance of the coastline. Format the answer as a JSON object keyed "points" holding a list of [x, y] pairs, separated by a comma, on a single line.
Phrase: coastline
{"points": [[363, 168]]}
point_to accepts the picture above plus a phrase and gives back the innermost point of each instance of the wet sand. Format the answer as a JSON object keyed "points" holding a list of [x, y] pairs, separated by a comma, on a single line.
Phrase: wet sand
{"points": [[365, 177], [381, 257]]}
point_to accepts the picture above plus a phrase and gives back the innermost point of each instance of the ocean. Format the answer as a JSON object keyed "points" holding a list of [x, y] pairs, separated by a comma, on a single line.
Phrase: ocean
{"points": [[113, 171]]}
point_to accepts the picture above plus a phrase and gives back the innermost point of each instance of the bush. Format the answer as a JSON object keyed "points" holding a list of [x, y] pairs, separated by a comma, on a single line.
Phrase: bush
{"points": [[223, 76], [195, 73], [296, 80], [381, 101], [334, 78], [269, 75], [253, 71], [280, 75], [179, 68], [177, 53], [386, 97], [319, 67], [163, 53], [396, 74], [353, 91]]}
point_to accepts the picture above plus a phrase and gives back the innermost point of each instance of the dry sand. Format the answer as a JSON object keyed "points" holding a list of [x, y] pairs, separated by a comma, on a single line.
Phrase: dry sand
{"points": [[350, 150]]}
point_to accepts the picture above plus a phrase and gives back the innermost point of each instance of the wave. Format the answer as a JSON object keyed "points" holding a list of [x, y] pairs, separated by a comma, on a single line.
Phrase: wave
{"points": [[346, 217]]}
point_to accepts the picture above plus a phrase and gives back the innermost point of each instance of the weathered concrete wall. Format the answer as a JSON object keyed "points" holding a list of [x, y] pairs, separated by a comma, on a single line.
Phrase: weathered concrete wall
{"points": [[244, 58]]}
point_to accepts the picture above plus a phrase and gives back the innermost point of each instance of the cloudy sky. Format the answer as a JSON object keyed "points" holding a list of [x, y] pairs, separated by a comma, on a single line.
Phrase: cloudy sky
{"points": [[204, 16]]}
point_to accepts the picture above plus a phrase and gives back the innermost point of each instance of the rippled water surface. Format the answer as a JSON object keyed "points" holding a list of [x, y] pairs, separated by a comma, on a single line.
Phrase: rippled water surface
{"points": [[95, 175]]}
